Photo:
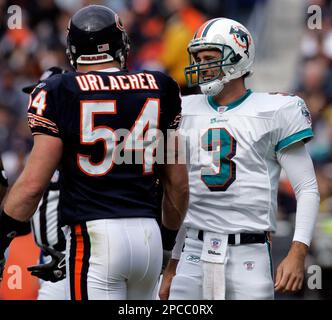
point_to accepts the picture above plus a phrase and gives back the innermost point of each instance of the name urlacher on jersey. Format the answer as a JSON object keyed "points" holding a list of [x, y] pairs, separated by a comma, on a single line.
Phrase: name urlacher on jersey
{"points": [[92, 82]]}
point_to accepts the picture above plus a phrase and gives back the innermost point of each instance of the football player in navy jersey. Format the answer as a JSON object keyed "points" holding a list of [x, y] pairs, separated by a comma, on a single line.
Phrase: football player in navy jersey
{"points": [[88, 121], [47, 231]]}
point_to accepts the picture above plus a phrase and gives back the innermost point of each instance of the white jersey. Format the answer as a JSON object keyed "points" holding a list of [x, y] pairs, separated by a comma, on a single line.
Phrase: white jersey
{"points": [[233, 168]]}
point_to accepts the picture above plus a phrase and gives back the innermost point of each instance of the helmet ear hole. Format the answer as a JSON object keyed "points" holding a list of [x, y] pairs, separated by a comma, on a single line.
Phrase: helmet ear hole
{"points": [[236, 59], [247, 74]]}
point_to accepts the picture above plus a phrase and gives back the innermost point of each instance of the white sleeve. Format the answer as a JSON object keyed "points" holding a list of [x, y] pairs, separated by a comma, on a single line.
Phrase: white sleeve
{"points": [[179, 243], [297, 163], [293, 124]]}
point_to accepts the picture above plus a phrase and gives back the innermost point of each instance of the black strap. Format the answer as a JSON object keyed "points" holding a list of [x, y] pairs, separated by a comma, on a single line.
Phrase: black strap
{"points": [[43, 219], [245, 238], [10, 228], [168, 237]]}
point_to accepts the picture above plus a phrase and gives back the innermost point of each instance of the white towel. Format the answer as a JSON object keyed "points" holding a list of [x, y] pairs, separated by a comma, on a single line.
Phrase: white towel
{"points": [[213, 258], [214, 281]]}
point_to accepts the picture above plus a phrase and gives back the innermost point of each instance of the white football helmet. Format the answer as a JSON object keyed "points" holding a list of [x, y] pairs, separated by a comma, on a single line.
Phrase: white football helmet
{"points": [[237, 54]]}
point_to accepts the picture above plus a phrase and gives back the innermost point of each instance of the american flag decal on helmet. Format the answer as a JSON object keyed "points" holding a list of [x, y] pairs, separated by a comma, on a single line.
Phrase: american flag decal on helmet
{"points": [[103, 47]]}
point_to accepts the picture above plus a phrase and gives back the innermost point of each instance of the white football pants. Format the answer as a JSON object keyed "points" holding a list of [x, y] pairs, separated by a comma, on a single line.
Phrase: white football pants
{"points": [[114, 259], [52, 290], [248, 272]]}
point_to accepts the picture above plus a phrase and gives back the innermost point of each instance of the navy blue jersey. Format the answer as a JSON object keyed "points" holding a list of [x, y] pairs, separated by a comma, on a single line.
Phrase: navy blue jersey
{"points": [[89, 112]]}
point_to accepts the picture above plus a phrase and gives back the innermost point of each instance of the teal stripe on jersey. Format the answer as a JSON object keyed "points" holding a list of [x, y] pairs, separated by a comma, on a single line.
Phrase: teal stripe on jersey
{"points": [[238, 101], [232, 104], [304, 135], [270, 257], [212, 103]]}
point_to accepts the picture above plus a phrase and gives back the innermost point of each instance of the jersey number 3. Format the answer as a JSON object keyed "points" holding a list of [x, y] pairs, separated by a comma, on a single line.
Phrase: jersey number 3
{"points": [[222, 172]]}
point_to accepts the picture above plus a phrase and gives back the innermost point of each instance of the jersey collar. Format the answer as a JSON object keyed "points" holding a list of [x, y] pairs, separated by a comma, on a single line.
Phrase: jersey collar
{"points": [[231, 105], [113, 69]]}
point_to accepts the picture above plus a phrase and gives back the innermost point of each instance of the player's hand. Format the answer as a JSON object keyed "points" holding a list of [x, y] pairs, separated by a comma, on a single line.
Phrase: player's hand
{"points": [[290, 272], [53, 271], [168, 275]]}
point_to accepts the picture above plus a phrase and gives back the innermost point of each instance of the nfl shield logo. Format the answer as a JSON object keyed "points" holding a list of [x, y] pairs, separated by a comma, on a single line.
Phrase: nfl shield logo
{"points": [[249, 265], [215, 243], [222, 109], [306, 113]]}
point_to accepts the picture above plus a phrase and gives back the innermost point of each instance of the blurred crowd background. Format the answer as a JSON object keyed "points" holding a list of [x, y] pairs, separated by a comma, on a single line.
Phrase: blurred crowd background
{"points": [[159, 33]]}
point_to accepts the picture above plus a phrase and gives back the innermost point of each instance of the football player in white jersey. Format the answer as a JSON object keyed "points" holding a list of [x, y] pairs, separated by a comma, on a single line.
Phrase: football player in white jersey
{"points": [[238, 142]]}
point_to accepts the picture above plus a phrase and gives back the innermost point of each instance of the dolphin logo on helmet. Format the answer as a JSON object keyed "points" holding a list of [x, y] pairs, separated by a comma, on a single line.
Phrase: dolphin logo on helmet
{"points": [[241, 38]]}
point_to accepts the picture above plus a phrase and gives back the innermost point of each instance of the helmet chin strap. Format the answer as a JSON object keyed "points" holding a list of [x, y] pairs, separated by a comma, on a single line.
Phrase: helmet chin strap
{"points": [[214, 87]]}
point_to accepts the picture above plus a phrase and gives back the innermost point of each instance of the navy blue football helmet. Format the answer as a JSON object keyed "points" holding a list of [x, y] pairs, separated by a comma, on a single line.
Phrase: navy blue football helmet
{"points": [[96, 35]]}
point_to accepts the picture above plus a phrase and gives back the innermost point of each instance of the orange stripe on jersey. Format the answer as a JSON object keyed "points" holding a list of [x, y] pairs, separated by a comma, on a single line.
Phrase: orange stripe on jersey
{"points": [[35, 122], [34, 125], [78, 262], [42, 119]]}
